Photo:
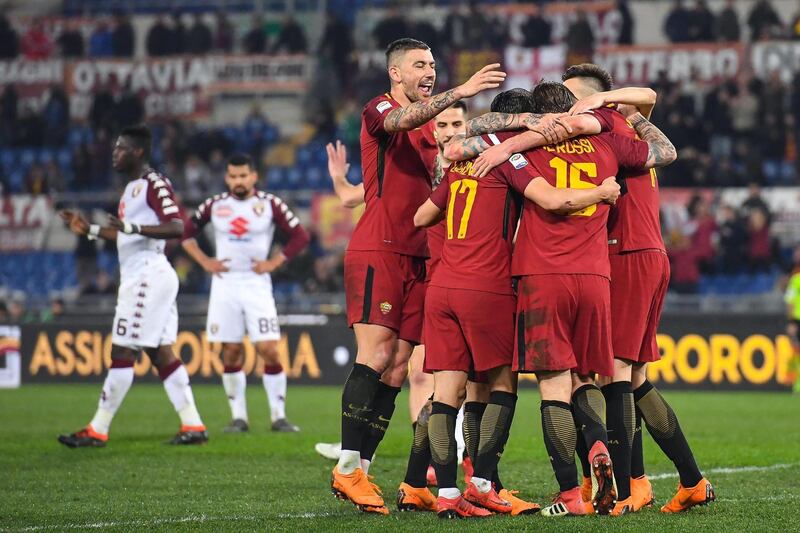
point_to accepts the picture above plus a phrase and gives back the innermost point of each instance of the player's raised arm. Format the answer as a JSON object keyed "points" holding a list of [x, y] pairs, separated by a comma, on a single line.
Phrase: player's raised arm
{"points": [[566, 201], [661, 151], [642, 98], [350, 195], [418, 113]]}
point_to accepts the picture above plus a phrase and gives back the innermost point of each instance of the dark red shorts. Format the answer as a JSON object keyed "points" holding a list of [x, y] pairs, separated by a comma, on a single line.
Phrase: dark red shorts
{"points": [[468, 330], [639, 282], [564, 323], [386, 289]]}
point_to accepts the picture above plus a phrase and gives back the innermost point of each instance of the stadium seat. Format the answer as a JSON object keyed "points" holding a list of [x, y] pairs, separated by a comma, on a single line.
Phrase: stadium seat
{"points": [[8, 158], [27, 157], [45, 155]]}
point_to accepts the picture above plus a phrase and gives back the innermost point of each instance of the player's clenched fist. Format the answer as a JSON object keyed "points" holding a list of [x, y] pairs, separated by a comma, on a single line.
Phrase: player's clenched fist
{"points": [[610, 189], [489, 77], [76, 223]]}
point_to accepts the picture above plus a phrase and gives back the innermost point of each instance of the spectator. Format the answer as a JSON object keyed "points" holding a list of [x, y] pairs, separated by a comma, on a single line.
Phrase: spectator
{"points": [[291, 39], [16, 311], [223, 38], [54, 177], [536, 30], [37, 43], [701, 23], [70, 42], [53, 313], [728, 29], [9, 41], [29, 130], [9, 103], [99, 283], [580, 40], [123, 38], [703, 233], [478, 38], [391, 28], [100, 159], [101, 113], [159, 38], [763, 21], [336, 46], [773, 148], [732, 240], [255, 41], [759, 245], [56, 117], [744, 113], [455, 28], [426, 32], [36, 181], [5, 317], [677, 23], [626, 26], [199, 38], [101, 42], [755, 202], [81, 167], [717, 116], [217, 166], [192, 279], [128, 109], [178, 34], [685, 273]]}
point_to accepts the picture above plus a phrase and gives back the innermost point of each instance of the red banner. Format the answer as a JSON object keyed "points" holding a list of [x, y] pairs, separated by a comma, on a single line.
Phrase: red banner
{"points": [[23, 222]]}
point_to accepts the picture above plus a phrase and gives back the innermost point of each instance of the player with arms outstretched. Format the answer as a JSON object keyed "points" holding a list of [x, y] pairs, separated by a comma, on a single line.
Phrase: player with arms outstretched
{"points": [[244, 221], [146, 317]]}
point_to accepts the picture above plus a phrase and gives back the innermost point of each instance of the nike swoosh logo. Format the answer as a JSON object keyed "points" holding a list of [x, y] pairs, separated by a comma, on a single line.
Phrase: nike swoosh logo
{"points": [[381, 419]]}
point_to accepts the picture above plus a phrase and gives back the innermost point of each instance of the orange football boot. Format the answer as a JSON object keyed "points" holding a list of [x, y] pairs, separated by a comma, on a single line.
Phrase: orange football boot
{"points": [[604, 491], [413, 499], [518, 505], [459, 508], [642, 492], [357, 488], [686, 498], [568, 503], [586, 489], [623, 507], [488, 500]]}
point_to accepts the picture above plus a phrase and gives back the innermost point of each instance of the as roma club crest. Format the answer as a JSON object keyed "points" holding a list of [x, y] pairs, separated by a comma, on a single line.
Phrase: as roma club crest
{"points": [[386, 307], [258, 208], [137, 190]]}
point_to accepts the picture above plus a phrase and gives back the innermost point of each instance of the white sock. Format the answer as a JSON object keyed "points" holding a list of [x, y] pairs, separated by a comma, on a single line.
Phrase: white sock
{"points": [[483, 485], [275, 385], [117, 384], [235, 384], [180, 394], [365, 465], [349, 460], [460, 434], [450, 493]]}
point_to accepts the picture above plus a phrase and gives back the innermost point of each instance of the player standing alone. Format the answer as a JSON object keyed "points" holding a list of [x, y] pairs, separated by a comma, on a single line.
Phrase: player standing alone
{"points": [[244, 221], [384, 263], [147, 315]]}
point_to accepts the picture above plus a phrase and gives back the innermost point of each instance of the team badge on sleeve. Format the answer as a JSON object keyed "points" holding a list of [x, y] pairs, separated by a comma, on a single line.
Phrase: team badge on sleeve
{"points": [[518, 161], [136, 190], [383, 106]]}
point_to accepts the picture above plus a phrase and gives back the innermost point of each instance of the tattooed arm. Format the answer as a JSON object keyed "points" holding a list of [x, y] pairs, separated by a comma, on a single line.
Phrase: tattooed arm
{"points": [[439, 170], [460, 148], [661, 151]]}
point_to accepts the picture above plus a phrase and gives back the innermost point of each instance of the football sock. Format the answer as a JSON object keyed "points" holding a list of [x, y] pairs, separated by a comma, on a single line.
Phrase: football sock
{"points": [[357, 397], [420, 457], [441, 432], [558, 429], [589, 412], [450, 493], [116, 385], [473, 412], [663, 425], [274, 380], [365, 465], [460, 446], [621, 417], [637, 453], [583, 454], [494, 429], [382, 411], [176, 383], [235, 383]]}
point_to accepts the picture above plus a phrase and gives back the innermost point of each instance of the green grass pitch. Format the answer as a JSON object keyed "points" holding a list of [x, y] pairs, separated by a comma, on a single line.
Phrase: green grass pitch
{"points": [[748, 444]]}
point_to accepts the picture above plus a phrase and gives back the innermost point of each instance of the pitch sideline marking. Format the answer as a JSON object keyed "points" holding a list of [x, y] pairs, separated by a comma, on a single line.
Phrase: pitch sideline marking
{"points": [[731, 470]]}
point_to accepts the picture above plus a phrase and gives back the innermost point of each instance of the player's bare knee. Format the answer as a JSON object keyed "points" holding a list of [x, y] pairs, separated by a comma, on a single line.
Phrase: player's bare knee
{"points": [[395, 375], [555, 386], [419, 379], [268, 352], [501, 379], [232, 354], [638, 375], [579, 381], [123, 354], [452, 397], [477, 392]]}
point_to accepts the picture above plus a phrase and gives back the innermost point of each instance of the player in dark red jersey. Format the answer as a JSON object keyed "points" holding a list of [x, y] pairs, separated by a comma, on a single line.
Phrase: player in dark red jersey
{"points": [[384, 263], [473, 276], [639, 280], [563, 320]]}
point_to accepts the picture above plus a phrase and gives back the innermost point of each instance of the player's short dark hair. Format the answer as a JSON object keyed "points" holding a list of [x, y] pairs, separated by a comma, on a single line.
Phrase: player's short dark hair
{"points": [[403, 45], [141, 137], [552, 97], [460, 104], [512, 101], [240, 159], [595, 75]]}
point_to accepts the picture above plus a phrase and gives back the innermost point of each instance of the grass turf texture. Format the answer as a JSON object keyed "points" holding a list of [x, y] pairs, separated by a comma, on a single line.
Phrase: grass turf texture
{"points": [[268, 481]]}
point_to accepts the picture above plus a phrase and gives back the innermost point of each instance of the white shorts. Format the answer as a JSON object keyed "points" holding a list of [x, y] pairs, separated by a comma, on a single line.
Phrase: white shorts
{"points": [[147, 313], [239, 303]]}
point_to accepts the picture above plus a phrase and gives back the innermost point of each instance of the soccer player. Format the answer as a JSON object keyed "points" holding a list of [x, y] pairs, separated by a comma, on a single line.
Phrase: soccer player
{"points": [[146, 317], [563, 306], [244, 221], [384, 262], [639, 280], [474, 275]]}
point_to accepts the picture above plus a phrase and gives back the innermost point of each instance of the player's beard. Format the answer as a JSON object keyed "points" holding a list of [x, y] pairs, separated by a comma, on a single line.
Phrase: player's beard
{"points": [[241, 192]]}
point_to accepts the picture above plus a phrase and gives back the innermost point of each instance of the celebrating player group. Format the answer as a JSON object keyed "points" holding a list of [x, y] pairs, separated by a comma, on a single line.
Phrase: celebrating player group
{"points": [[543, 230]]}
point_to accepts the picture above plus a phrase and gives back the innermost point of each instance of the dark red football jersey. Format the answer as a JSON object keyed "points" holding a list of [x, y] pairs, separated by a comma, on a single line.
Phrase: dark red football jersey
{"points": [[634, 223], [397, 170], [435, 243], [576, 244], [480, 219]]}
